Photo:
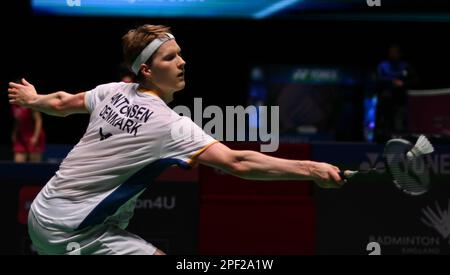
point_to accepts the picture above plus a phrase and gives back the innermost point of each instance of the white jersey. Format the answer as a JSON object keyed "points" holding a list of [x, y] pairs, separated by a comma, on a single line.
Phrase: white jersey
{"points": [[131, 138]]}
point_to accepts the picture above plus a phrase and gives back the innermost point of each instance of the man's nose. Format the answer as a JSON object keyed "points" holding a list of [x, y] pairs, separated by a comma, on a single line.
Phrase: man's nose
{"points": [[182, 63]]}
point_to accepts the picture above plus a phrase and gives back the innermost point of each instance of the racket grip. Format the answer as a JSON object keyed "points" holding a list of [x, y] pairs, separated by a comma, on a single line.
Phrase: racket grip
{"points": [[346, 174]]}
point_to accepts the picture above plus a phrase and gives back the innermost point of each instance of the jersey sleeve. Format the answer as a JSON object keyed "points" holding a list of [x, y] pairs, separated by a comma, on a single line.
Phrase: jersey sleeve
{"points": [[186, 140], [93, 97]]}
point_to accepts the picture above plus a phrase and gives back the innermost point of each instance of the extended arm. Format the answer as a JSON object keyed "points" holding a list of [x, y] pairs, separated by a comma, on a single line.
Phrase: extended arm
{"points": [[257, 166], [56, 104]]}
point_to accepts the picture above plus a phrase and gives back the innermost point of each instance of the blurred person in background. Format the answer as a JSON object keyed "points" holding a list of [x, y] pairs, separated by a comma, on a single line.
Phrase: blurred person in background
{"points": [[395, 76], [28, 136]]}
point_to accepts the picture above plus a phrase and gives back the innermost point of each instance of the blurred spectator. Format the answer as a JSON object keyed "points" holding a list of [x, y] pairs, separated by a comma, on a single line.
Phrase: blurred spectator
{"points": [[394, 77], [28, 137]]}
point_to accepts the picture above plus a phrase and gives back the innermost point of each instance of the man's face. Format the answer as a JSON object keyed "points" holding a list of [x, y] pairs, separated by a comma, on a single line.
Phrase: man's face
{"points": [[168, 67]]}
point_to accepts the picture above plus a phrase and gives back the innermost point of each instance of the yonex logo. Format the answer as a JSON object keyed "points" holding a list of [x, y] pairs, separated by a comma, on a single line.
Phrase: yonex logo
{"points": [[103, 136], [436, 163], [373, 163]]}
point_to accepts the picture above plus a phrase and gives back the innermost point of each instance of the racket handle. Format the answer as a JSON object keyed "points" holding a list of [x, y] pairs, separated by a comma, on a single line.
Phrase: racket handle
{"points": [[346, 174]]}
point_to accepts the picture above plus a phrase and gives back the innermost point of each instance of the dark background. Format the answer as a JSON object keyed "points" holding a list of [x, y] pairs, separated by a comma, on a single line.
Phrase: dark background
{"points": [[76, 54]]}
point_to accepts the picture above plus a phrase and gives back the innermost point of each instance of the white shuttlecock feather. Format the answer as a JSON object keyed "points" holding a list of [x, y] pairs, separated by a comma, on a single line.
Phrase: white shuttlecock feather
{"points": [[422, 147]]}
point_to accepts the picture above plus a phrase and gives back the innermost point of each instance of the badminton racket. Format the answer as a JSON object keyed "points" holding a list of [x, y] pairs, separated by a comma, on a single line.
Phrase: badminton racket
{"points": [[401, 160]]}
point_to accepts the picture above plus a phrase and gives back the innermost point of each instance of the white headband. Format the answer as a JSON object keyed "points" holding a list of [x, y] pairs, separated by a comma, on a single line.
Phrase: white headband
{"points": [[148, 51]]}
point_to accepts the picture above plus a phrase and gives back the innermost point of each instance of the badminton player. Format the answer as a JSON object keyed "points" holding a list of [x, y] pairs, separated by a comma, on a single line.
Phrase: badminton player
{"points": [[86, 206]]}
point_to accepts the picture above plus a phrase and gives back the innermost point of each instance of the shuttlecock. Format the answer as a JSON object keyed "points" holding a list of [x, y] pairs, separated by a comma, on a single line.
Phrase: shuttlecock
{"points": [[422, 147]]}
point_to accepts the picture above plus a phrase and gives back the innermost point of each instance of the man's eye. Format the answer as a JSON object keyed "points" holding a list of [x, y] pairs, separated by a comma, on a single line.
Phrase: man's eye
{"points": [[169, 57]]}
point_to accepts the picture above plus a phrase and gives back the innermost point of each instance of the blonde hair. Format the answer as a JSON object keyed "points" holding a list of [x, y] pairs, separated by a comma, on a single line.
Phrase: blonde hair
{"points": [[137, 39]]}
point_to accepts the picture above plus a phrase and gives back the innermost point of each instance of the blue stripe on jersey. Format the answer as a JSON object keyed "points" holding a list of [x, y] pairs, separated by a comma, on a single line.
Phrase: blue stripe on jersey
{"points": [[135, 184]]}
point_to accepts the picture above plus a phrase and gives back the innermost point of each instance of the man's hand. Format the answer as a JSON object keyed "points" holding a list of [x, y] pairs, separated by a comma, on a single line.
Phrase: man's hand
{"points": [[33, 141], [326, 175], [21, 94], [56, 104]]}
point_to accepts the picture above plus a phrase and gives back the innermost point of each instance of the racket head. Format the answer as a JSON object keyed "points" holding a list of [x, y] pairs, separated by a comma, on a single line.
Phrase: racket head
{"points": [[410, 176]]}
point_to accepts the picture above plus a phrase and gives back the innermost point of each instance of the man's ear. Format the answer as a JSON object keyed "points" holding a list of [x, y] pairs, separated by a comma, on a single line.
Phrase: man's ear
{"points": [[145, 70]]}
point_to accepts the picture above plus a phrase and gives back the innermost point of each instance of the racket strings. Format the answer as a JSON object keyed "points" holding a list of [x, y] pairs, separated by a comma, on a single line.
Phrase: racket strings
{"points": [[408, 179]]}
